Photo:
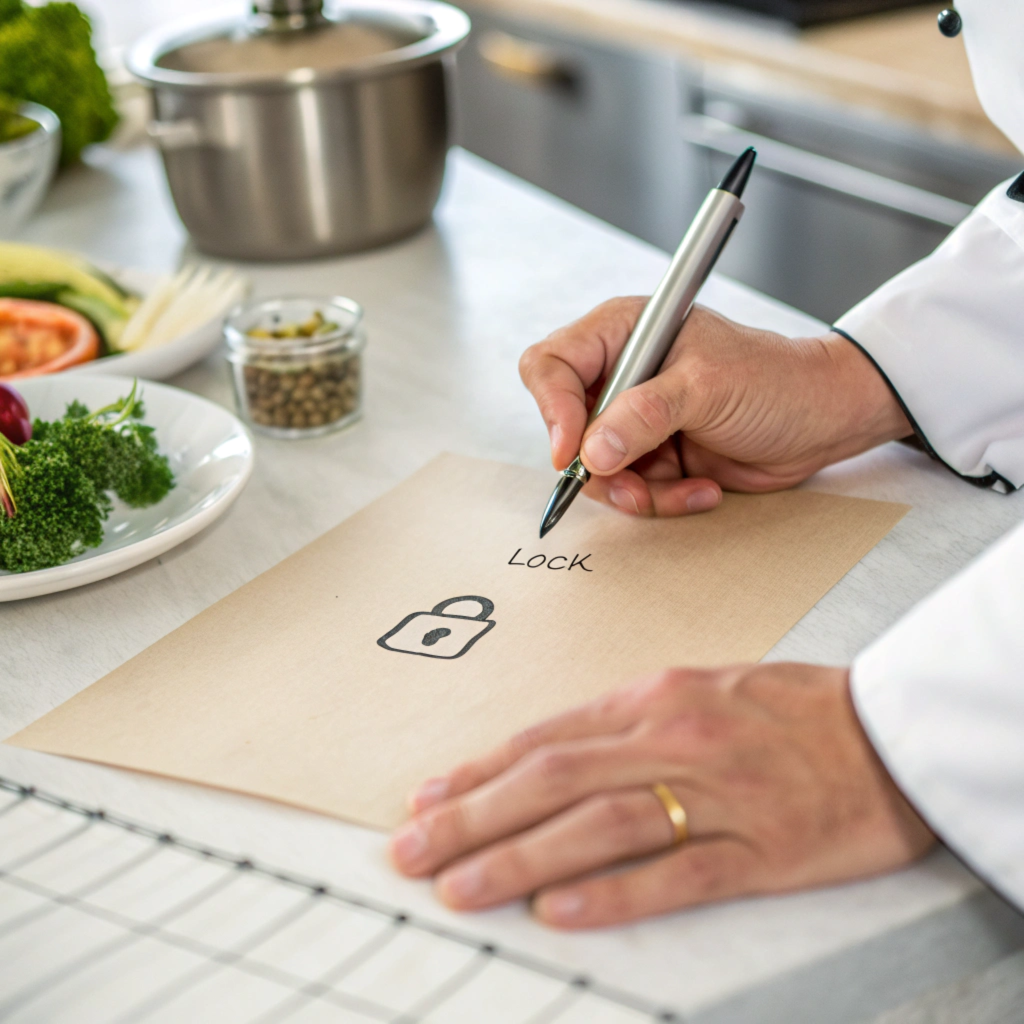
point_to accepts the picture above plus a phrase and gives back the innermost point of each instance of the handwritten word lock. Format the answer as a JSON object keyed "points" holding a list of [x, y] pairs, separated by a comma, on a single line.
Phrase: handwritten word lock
{"points": [[440, 633]]}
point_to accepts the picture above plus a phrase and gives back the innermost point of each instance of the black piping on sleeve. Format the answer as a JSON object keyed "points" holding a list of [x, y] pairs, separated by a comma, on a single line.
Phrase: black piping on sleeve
{"points": [[1016, 190], [987, 481]]}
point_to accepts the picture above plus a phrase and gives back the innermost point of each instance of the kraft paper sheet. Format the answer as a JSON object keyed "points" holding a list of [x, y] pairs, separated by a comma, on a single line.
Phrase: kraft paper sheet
{"points": [[299, 687]]}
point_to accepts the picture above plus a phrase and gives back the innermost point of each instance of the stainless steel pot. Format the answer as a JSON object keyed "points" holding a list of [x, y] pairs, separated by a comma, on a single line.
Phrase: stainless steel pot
{"points": [[296, 133]]}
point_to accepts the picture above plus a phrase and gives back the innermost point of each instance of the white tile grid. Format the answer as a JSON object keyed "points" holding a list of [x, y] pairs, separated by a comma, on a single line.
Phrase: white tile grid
{"points": [[103, 920]]}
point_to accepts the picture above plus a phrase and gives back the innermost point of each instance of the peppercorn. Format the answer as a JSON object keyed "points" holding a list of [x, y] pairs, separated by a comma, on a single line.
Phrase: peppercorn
{"points": [[315, 395]]}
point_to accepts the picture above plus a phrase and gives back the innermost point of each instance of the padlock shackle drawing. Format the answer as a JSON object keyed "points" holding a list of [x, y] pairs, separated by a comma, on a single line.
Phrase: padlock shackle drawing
{"points": [[486, 608], [437, 633]]}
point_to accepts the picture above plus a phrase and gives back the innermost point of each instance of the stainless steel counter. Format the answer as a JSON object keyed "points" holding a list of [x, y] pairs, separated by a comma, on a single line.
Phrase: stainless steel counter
{"points": [[636, 131]]}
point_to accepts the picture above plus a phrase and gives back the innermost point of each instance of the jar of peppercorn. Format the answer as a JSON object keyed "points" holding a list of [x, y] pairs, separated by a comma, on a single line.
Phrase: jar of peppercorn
{"points": [[297, 364]]}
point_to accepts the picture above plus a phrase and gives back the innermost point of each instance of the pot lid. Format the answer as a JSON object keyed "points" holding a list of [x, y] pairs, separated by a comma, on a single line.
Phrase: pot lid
{"points": [[296, 42]]}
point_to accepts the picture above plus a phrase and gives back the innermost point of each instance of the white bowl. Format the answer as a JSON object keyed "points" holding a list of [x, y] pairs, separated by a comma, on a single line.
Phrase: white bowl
{"points": [[210, 453], [26, 168], [160, 362]]}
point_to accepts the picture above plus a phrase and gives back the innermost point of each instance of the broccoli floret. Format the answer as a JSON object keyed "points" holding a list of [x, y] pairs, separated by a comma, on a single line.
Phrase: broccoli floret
{"points": [[10, 9], [46, 56], [89, 446], [138, 475], [59, 512], [53, 488], [119, 456]]}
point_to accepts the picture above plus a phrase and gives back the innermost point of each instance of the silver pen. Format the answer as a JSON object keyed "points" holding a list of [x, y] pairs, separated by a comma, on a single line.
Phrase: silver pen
{"points": [[663, 316]]}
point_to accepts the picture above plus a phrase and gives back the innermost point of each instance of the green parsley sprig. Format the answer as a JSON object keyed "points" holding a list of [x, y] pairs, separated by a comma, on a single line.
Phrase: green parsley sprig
{"points": [[55, 489]]}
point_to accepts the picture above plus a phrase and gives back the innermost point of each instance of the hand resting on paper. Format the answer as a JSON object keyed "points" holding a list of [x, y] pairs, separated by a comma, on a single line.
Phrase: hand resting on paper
{"points": [[740, 408], [781, 787]]}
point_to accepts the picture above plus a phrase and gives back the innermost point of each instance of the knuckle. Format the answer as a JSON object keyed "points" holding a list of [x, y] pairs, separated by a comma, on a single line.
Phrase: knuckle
{"points": [[700, 686], [510, 869], [528, 361], [703, 376], [652, 409], [696, 730], [553, 767], [524, 743], [463, 778], [755, 684], [607, 706], [446, 828], [704, 872], [617, 305], [663, 686], [617, 817]]}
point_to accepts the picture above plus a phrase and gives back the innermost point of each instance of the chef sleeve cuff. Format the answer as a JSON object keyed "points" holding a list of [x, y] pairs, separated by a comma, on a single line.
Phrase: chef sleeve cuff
{"points": [[946, 335], [941, 696]]}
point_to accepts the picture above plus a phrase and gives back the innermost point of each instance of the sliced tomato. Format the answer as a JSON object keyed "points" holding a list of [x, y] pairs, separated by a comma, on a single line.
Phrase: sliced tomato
{"points": [[42, 337]]}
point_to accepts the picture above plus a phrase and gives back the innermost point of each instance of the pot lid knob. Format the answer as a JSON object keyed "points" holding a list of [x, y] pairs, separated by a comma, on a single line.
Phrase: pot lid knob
{"points": [[287, 14]]}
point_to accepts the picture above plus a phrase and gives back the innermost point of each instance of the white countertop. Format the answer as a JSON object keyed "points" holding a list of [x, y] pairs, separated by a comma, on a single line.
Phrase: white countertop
{"points": [[448, 313]]}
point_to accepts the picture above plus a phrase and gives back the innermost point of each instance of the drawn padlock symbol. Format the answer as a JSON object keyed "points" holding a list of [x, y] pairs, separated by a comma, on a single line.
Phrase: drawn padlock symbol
{"points": [[440, 633]]}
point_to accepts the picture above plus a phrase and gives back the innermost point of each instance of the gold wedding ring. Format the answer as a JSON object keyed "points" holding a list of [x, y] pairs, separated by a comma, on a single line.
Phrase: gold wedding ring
{"points": [[674, 810]]}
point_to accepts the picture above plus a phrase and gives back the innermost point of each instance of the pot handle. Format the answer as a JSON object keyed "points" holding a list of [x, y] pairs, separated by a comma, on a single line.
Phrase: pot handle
{"points": [[527, 62], [183, 134]]}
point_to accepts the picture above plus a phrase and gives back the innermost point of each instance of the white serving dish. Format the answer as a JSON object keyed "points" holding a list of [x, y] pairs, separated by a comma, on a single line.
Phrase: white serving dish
{"points": [[211, 455], [165, 360]]}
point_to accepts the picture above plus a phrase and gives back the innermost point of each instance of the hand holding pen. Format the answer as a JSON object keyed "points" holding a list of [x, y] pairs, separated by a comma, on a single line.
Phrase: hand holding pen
{"points": [[732, 407], [664, 313]]}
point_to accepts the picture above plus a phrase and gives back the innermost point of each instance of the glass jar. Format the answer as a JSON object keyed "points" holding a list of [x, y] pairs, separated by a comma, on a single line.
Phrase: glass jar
{"points": [[297, 364]]}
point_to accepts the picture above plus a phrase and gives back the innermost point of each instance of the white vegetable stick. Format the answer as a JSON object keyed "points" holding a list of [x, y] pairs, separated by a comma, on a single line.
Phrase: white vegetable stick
{"points": [[200, 296], [149, 309], [185, 312], [165, 299]]}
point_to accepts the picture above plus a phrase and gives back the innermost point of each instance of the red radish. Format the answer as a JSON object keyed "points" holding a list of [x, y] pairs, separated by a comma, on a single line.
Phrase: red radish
{"points": [[15, 423]]}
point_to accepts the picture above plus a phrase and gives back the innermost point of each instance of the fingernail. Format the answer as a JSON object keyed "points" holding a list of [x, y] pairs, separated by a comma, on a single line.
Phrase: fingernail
{"points": [[622, 497], [409, 843], [463, 883], [604, 449], [431, 792], [702, 501], [561, 906]]}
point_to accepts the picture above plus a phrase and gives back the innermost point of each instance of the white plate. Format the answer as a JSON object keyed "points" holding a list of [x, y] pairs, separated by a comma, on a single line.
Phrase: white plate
{"points": [[210, 454], [165, 360]]}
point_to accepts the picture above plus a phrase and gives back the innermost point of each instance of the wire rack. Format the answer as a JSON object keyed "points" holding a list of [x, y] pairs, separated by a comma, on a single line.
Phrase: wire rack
{"points": [[103, 919]]}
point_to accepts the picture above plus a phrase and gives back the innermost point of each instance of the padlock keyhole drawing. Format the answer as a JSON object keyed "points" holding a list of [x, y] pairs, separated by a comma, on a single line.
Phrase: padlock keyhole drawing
{"points": [[440, 633]]}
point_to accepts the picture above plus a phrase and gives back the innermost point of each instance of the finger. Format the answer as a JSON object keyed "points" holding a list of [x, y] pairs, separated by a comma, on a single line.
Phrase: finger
{"points": [[635, 494], [558, 370], [637, 422], [601, 831], [700, 871], [536, 787], [561, 398], [607, 715], [610, 715]]}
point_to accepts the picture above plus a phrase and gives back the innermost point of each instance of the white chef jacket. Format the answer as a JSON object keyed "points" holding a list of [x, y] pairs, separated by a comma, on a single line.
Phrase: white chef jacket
{"points": [[942, 693]]}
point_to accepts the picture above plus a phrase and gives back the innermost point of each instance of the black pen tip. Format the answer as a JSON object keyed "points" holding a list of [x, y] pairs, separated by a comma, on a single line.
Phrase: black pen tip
{"points": [[561, 498], [736, 178]]}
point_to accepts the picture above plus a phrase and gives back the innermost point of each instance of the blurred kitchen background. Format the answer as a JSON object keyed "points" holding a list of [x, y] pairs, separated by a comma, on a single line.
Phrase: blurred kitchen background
{"points": [[872, 143]]}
